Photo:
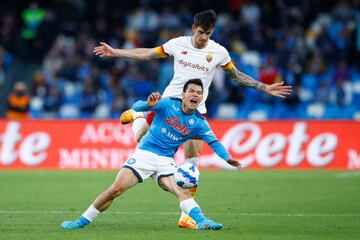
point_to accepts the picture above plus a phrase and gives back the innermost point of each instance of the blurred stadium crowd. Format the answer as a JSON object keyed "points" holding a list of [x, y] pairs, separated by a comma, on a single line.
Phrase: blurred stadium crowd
{"points": [[312, 45]]}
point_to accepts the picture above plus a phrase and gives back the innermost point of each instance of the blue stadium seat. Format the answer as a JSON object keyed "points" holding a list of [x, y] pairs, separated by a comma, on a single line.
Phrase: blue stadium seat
{"points": [[226, 111], [36, 107], [333, 112], [309, 81], [69, 111], [281, 111], [260, 112], [316, 110]]}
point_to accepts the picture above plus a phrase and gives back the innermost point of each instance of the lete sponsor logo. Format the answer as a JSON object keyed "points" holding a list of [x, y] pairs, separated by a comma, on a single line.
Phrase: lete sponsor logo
{"points": [[31, 149], [246, 140], [175, 123]]}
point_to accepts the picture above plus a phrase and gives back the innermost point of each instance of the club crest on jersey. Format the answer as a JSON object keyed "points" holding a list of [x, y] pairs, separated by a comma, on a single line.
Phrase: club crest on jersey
{"points": [[209, 57], [191, 121], [174, 122]]}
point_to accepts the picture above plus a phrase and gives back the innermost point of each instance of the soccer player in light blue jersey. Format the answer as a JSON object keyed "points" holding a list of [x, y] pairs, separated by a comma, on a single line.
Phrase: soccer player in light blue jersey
{"points": [[176, 121]]}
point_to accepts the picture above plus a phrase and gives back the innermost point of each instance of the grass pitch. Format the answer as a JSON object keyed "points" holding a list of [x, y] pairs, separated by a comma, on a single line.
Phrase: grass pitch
{"points": [[250, 205]]}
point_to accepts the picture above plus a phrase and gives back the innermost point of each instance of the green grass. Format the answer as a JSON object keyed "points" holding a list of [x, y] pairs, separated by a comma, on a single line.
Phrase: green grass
{"points": [[250, 205]]}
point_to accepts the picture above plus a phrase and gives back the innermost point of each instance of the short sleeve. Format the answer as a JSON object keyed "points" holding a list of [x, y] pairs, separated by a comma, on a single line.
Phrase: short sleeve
{"points": [[225, 60], [170, 46]]}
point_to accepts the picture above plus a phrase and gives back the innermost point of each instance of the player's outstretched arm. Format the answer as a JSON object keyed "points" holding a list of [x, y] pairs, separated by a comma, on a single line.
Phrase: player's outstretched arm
{"points": [[276, 89], [142, 106], [105, 50]]}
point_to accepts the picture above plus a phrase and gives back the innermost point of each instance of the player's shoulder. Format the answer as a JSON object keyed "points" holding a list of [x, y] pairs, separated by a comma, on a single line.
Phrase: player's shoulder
{"points": [[199, 115], [174, 99], [181, 39], [216, 46]]}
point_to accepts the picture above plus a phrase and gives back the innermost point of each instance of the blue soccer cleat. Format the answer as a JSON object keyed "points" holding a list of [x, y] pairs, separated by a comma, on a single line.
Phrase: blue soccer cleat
{"points": [[209, 224], [80, 223]]}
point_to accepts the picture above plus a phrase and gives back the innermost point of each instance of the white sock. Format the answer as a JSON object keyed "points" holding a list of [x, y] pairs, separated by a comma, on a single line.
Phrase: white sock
{"points": [[91, 213], [187, 205], [183, 214], [137, 125], [193, 160]]}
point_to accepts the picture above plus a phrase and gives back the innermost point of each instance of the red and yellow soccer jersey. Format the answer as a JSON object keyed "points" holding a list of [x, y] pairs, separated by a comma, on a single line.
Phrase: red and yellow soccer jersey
{"points": [[191, 62]]}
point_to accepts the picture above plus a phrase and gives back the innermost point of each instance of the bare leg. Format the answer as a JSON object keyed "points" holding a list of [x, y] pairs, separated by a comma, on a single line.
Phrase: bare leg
{"points": [[168, 183], [193, 148], [124, 180]]}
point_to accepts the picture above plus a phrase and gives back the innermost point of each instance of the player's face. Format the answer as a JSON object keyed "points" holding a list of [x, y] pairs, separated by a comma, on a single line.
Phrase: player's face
{"points": [[192, 98], [201, 37]]}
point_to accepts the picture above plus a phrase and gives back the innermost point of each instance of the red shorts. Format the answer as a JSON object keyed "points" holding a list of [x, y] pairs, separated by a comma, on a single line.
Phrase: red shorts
{"points": [[151, 115]]}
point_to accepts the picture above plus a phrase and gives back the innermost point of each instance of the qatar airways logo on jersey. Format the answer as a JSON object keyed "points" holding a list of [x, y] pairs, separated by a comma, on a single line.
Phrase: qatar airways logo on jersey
{"points": [[193, 65], [175, 123]]}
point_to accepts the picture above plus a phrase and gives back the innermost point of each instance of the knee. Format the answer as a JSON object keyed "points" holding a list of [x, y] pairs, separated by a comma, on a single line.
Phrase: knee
{"points": [[116, 190]]}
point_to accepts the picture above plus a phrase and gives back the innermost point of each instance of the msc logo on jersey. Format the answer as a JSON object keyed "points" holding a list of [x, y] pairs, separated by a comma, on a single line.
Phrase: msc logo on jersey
{"points": [[191, 121], [163, 130], [209, 57], [131, 161]]}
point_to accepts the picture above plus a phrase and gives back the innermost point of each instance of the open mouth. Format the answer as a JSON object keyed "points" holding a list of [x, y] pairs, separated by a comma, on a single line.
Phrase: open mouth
{"points": [[193, 101]]}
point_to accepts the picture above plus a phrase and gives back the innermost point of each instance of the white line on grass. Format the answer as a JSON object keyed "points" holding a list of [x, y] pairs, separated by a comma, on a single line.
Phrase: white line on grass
{"points": [[348, 174], [177, 213]]}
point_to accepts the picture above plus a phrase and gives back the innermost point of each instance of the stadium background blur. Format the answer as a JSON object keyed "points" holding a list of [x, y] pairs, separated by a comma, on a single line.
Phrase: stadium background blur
{"points": [[312, 45]]}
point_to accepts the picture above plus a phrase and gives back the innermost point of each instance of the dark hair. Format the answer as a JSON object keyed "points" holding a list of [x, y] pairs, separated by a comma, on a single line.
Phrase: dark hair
{"points": [[205, 19], [195, 81]]}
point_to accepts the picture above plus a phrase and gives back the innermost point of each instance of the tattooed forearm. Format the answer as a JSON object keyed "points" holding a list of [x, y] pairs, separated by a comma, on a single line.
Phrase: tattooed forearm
{"points": [[244, 79]]}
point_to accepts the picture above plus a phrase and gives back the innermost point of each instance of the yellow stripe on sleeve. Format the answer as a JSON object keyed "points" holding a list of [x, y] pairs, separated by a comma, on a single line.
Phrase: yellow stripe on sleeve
{"points": [[228, 66], [160, 50]]}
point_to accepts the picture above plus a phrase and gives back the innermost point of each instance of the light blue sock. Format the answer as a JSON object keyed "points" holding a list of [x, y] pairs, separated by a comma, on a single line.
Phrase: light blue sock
{"points": [[197, 214]]}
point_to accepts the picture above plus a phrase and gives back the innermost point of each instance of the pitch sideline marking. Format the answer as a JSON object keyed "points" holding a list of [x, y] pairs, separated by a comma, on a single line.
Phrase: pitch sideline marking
{"points": [[177, 213], [348, 174]]}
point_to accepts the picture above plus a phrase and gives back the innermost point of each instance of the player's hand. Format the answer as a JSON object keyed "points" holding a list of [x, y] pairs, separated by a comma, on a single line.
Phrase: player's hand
{"points": [[234, 163], [104, 50], [278, 90], [153, 99]]}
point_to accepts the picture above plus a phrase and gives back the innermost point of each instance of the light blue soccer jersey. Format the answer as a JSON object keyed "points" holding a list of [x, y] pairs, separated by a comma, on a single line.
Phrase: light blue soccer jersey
{"points": [[171, 127]]}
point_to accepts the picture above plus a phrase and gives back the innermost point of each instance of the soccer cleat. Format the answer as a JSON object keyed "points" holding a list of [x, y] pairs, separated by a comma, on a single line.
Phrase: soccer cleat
{"points": [[209, 224], [129, 116], [186, 222], [80, 223], [193, 191]]}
